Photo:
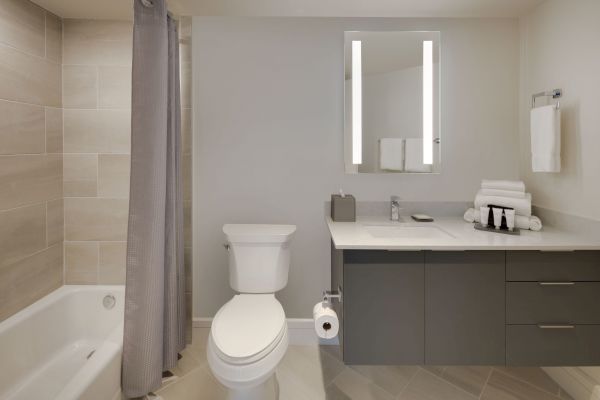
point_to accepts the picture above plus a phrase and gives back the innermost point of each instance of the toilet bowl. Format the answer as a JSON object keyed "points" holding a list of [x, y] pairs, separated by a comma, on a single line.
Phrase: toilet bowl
{"points": [[249, 334]]}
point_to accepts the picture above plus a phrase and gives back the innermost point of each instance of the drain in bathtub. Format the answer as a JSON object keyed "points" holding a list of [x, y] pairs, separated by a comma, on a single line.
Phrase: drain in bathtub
{"points": [[109, 301], [90, 355]]}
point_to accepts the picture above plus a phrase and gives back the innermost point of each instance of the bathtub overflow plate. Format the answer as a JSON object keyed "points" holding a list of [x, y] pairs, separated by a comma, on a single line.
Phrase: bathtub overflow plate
{"points": [[109, 301]]}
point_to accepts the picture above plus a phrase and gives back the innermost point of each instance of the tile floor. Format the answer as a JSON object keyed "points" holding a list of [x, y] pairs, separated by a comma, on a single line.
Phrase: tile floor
{"points": [[314, 373]]}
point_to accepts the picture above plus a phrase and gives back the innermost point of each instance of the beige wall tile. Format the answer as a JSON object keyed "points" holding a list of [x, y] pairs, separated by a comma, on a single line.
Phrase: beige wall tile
{"points": [[30, 279], [29, 79], [28, 179], [54, 130], [186, 176], [21, 128], [96, 219], [90, 30], [186, 130], [80, 86], [96, 52], [53, 38], [22, 26], [185, 70], [55, 223], [80, 175], [97, 131], [81, 263], [114, 87], [22, 232], [111, 267], [113, 175]]}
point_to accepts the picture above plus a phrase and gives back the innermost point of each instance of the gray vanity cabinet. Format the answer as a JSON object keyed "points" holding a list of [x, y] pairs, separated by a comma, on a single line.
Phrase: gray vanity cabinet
{"points": [[518, 308], [383, 307], [464, 308]]}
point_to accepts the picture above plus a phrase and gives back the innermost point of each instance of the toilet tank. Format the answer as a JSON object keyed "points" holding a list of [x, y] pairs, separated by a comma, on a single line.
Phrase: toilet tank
{"points": [[259, 256]]}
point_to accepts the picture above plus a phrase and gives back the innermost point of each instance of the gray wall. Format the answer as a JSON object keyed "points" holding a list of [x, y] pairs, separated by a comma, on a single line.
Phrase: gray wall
{"points": [[268, 133]]}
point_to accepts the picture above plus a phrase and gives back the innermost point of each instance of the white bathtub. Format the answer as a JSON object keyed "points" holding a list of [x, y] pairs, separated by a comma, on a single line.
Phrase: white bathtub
{"points": [[65, 346]]}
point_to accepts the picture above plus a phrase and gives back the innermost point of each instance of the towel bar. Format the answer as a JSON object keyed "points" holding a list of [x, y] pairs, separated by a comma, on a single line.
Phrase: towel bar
{"points": [[555, 94]]}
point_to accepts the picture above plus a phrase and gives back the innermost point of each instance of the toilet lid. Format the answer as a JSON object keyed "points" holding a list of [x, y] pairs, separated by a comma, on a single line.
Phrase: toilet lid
{"points": [[247, 325]]}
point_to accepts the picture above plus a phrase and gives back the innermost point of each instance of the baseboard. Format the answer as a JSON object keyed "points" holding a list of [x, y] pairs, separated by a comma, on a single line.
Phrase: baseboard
{"points": [[301, 331], [576, 382]]}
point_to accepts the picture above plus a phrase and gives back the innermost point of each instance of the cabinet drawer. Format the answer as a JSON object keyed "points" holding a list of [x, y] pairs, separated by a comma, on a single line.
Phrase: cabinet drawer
{"points": [[530, 345], [536, 266], [552, 302]]}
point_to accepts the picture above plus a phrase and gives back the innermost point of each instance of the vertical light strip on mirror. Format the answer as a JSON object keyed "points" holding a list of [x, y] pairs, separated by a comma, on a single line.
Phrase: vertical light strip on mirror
{"points": [[356, 102], [428, 102]]}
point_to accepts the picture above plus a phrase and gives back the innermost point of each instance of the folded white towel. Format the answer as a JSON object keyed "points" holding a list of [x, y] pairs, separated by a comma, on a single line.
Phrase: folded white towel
{"points": [[413, 159], [521, 206], [391, 154], [545, 139], [502, 193], [533, 223], [515, 186]]}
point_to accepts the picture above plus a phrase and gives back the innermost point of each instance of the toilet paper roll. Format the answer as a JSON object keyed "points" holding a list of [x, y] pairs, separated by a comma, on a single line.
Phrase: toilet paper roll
{"points": [[326, 320]]}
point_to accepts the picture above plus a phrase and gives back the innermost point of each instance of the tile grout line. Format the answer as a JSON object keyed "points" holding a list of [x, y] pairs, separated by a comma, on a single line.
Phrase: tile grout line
{"points": [[486, 382]]}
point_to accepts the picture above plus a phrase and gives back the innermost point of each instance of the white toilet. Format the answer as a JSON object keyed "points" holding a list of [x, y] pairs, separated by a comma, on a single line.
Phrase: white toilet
{"points": [[249, 336]]}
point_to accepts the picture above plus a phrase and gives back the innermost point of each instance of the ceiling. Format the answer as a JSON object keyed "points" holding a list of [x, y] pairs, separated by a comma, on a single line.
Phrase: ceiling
{"points": [[121, 9]]}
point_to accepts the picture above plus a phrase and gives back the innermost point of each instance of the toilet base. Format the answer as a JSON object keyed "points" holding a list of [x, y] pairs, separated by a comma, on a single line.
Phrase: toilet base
{"points": [[268, 390]]}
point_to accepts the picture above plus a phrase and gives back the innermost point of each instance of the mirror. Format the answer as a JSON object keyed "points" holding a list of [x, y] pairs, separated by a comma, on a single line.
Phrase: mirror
{"points": [[392, 105]]}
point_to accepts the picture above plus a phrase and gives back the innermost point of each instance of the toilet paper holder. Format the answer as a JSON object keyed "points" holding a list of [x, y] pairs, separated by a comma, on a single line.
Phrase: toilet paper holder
{"points": [[330, 295]]}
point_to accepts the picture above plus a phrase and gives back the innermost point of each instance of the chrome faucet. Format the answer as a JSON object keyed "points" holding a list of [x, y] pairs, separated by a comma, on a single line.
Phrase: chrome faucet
{"points": [[395, 208]]}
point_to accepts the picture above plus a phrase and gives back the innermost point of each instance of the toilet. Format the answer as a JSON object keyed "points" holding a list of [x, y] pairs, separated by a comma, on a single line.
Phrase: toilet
{"points": [[249, 336]]}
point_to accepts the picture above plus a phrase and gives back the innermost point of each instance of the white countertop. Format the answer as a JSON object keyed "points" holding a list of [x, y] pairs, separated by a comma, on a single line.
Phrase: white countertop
{"points": [[461, 236]]}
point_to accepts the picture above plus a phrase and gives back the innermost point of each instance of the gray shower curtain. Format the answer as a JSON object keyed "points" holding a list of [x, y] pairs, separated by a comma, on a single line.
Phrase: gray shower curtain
{"points": [[154, 293]]}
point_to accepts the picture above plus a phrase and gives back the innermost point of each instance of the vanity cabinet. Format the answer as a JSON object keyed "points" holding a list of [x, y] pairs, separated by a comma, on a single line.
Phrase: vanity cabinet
{"points": [[464, 308], [519, 308], [383, 307]]}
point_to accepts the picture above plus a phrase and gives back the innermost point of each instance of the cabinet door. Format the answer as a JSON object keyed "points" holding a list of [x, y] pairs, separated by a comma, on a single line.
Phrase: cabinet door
{"points": [[383, 307], [465, 308]]}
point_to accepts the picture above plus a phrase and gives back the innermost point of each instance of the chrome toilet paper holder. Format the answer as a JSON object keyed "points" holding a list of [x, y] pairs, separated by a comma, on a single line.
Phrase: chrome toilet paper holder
{"points": [[330, 295]]}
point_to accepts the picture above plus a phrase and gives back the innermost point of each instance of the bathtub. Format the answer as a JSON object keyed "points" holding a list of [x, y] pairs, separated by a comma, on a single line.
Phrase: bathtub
{"points": [[65, 346]]}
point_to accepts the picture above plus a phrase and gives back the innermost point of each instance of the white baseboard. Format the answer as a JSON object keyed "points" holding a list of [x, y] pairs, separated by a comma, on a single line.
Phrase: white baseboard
{"points": [[576, 382], [301, 331]]}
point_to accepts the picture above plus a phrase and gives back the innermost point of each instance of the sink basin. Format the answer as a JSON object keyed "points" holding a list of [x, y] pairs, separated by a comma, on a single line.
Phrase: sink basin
{"points": [[406, 231]]}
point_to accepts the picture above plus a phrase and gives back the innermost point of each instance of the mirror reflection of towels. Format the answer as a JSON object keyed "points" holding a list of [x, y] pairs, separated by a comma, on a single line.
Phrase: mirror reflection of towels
{"points": [[391, 154], [414, 156]]}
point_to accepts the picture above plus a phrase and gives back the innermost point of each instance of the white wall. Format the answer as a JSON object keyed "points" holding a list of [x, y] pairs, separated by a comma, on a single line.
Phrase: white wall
{"points": [[560, 42], [268, 133]]}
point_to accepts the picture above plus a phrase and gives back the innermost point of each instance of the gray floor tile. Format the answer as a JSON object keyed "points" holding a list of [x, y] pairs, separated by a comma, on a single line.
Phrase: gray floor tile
{"points": [[391, 378], [358, 387], [505, 387], [426, 386], [471, 379], [534, 375]]}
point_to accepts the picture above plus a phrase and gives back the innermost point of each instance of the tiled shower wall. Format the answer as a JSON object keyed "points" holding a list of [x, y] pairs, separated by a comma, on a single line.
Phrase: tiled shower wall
{"points": [[97, 134], [31, 204]]}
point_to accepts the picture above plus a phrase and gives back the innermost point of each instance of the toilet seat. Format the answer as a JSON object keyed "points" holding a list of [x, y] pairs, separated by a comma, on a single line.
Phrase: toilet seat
{"points": [[248, 328]]}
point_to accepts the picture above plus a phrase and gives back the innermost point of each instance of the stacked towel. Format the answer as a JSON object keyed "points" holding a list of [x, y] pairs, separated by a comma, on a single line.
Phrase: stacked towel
{"points": [[533, 223], [391, 154], [509, 194]]}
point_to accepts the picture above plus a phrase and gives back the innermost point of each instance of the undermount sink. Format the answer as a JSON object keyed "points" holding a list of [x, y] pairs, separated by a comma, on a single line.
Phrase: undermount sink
{"points": [[408, 231]]}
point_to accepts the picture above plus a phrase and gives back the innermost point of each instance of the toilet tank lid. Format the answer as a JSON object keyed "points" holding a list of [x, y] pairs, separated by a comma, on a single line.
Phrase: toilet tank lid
{"points": [[258, 233]]}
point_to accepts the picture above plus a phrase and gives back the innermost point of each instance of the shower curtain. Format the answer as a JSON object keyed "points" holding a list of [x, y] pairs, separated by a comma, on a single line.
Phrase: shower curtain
{"points": [[154, 295]]}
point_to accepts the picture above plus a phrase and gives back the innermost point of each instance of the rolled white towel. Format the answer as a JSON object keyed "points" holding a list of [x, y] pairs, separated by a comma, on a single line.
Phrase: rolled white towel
{"points": [[521, 206], [515, 186], [533, 223], [502, 193]]}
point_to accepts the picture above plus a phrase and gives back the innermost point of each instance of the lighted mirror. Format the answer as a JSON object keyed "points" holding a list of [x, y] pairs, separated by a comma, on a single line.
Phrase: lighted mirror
{"points": [[392, 102]]}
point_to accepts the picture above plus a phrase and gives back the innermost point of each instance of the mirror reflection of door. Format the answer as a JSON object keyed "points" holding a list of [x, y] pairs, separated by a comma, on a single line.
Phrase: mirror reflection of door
{"points": [[392, 102]]}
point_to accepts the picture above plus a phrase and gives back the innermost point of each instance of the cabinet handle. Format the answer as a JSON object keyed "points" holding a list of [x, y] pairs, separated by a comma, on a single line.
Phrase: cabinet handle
{"points": [[556, 283], [557, 326]]}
